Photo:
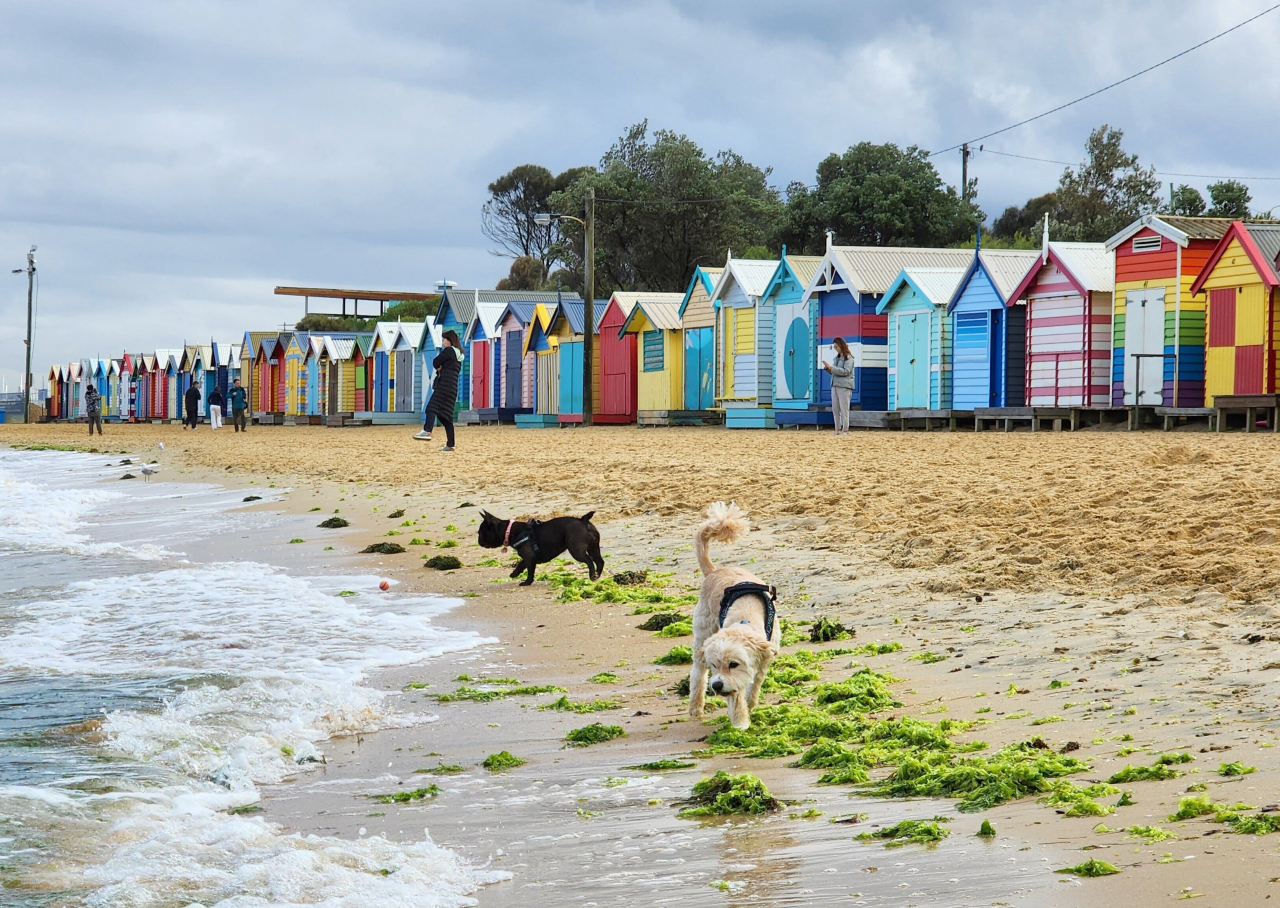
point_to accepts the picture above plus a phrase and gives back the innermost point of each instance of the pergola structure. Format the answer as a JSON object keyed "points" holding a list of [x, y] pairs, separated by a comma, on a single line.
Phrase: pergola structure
{"points": [[381, 297]]}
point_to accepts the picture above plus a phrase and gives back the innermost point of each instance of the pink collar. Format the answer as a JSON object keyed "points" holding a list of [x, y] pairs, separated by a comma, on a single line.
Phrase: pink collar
{"points": [[506, 537]]}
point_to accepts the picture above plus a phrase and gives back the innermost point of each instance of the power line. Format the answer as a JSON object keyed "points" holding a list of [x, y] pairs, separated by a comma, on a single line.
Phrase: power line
{"points": [[1119, 82], [1163, 173]]}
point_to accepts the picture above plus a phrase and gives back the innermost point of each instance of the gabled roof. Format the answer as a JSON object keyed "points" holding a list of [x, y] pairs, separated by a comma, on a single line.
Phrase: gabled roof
{"points": [[434, 335], [488, 317], [937, 285], [364, 341], [543, 315], [1261, 242], [1088, 267], [315, 345], [169, 358], [752, 275], [871, 269], [800, 268], [55, 372], [462, 303], [573, 311], [707, 277], [1005, 268], [628, 299], [663, 314], [1179, 229], [385, 334], [339, 348], [254, 340], [521, 309], [412, 333]]}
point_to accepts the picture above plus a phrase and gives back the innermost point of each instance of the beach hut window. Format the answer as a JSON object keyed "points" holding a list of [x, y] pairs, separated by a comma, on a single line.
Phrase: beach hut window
{"points": [[653, 352], [744, 334], [1147, 243]]}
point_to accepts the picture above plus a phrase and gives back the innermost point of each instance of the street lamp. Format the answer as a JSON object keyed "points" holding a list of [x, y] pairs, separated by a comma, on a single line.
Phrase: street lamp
{"points": [[546, 219], [30, 271]]}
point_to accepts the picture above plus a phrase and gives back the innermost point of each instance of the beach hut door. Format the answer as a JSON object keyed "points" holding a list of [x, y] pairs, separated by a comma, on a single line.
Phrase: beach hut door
{"points": [[511, 368], [699, 366], [334, 388], [1144, 347], [913, 360], [404, 381], [795, 366], [571, 377]]}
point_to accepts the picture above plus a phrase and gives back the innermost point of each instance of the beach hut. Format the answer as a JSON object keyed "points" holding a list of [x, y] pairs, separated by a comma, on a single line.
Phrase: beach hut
{"points": [[841, 300], [340, 383], [101, 371], [516, 389], [295, 354], [226, 365], [249, 346], [75, 397], [315, 368], [745, 344], [654, 325], [1240, 278], [1157, 258], [428, 346], [364, 374], [53, 407], [162, 390], [143, 365], [408, 390], [546, 353], [919, 337], [111, 399], [698, 319], [270, 377], [1067, 298], [173, 379], [795, 345], [128, 388], [483, 345], [382, 358], [566, 327], [619, 366]]}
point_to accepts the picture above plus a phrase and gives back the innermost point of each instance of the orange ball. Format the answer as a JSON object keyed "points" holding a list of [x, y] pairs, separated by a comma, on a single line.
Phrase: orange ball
{"points": [[384, 586]]}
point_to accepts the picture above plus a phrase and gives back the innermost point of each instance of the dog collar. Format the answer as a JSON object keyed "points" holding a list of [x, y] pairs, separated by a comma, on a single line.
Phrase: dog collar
{"points": [[738, 590], [506, 537]]}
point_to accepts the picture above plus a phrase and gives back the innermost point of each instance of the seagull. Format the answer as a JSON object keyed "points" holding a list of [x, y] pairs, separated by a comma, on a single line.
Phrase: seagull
{"points": [[148, 470]]}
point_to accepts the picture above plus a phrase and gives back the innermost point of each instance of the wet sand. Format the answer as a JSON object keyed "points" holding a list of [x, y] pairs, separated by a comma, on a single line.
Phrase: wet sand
{"points": [[1134, 567]]}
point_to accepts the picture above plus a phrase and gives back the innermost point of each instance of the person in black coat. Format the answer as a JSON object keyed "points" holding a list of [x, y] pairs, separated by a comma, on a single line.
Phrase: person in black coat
{"points": [[444, 390], [191, 408]]}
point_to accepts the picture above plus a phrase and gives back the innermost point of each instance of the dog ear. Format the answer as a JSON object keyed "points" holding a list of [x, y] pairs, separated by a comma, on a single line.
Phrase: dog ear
{"points": [[762, 647]]}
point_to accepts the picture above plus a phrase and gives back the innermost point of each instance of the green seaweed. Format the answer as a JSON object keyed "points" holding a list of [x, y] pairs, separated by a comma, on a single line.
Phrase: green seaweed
{"points": [[927, 657], [986, 830], [502, 761], [906, 832], [790, 633], [1157, 773], [662, 766], [564, 704], [443, 563], [1079, 802], [724, 795], [1173, 759], [383, 548], [334, 523], [1192, 807], [573, 587], [660, 620], [1235, 769], [403, 797], [1047, 720], [595, 733], [604, 678], [1091, 867], [824, 630], [677, 655], [1257, 824], [1150, 834], [677, 629], [443, 769], [876, 649]]}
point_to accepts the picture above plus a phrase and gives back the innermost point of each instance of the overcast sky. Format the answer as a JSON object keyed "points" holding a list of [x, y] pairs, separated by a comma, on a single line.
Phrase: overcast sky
{"points": [[175, 161]]}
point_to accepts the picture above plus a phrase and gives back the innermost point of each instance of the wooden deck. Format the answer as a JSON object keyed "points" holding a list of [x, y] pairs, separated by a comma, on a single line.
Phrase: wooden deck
{"points": [[1253, 405], [942, 419], [679, 418], [1056, 418]]}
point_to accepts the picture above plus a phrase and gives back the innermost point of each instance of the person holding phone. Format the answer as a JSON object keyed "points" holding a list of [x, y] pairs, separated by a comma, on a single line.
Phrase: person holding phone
{"points": [[841, 372]]}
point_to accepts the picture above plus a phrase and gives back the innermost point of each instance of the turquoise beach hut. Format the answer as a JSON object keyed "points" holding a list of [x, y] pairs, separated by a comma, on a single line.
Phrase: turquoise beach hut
{"points": [[795, 345], [920, 337]]}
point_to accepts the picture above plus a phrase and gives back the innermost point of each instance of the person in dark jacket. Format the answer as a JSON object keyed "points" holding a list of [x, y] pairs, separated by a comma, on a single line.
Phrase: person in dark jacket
{"points": [[239, 401], [215, 408], [93, 408], [191, 408], [444, 390]]}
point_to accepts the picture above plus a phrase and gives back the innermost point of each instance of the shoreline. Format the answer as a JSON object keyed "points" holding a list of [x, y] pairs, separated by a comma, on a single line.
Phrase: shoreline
{"points": [[1118, 653]]}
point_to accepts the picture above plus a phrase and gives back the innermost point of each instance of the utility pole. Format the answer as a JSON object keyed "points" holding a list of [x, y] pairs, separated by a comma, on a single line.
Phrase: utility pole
{"points": [[26, 378], [964, 172], [589, 304]]}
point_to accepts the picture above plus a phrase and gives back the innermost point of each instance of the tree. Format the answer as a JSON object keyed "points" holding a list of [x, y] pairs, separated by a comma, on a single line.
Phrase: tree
{"points": [[878, 195], [527, 273], [1230, 199], [514, 199], [1186, 201], [405, 311], [663, 207], [1027, 220], [1107, 192]]}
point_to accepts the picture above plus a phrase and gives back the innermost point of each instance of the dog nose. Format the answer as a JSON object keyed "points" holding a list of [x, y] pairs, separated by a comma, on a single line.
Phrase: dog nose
{"points": [[717, 686]]}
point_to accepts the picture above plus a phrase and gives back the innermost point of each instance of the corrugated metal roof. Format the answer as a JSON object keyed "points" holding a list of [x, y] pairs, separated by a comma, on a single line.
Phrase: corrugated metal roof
{"points": [[573, 311], [663, 313], [937, 284], [463, 302], [339, 347], [1090, 263], [628, 299], [521, 308], [752, 275], [1198, 228], [1268, 239], [804, 267], [1008, 267], [386, 333], [488, 314], [364, 340], [317, 344], [412, 333], [873, 269]]}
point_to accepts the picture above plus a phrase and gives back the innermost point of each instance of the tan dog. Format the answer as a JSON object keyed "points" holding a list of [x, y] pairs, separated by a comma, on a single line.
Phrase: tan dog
{"points": [[737, 653]]}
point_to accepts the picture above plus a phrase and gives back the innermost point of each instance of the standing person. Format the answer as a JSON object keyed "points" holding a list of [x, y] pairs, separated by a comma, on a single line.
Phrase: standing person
{"points": [[93, 407], [215, 408], [239, 403], [841, 372], [191, 402], [444, 390]]}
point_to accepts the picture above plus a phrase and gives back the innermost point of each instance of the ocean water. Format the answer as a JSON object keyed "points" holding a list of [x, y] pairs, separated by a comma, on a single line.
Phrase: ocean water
{"points": [[153, 676]]}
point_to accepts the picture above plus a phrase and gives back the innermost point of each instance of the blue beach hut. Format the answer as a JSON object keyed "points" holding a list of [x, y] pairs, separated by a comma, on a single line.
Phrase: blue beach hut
{"points": [[919, 375], [795, 345]]}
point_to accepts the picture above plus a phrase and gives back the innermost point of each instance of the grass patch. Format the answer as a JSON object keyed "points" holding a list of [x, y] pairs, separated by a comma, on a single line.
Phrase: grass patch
{"points": [[1235, 769], [595, 733], [592, 706], [725, 795], [443, 563], [677, 655], [501, 761], [604, 678], [907, 832], [824, 630], [662, 766], [404, 797], [1091, 867], [334, 523]]}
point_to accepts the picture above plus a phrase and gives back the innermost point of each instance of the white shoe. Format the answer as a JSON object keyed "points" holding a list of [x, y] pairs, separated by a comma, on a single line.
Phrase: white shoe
{"points": [[446, 450], [423, 436]]}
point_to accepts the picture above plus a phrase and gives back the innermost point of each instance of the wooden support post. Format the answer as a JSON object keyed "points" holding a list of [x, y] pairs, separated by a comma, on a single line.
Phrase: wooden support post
{"points": [[1035, 423], [1249, 417], [1057, 424], [1219, 419], [951, 426], [1008, 425], [1075, 420]]}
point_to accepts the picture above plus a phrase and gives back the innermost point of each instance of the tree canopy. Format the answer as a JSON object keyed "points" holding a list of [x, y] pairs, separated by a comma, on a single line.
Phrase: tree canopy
{"points": [[405, 311], [515, 198], [1107, 192], [877, 195]]}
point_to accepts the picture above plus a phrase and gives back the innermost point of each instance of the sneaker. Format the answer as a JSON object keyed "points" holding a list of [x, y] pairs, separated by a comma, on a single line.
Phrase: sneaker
{"points": [[446, 450], [423, 436]]}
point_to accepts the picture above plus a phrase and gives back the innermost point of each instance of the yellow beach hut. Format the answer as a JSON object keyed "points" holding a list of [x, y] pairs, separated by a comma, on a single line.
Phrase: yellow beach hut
{"points": [[659, 358]]}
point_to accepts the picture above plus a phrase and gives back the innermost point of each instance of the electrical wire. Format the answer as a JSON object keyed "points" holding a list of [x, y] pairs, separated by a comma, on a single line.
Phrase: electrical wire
{"points": [[1163, 173], [1130, 78]]}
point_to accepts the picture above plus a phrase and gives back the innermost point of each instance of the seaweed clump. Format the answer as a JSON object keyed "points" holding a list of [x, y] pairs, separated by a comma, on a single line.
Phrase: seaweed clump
{"points": [[334, 523], [443, 562], [678, 655], [677, 629], [1079, 802], [573, 587], [564, 704], [659, 620], [906, 832], [824, 630], [1091, 867], [502, 761], [662, 766], [383, 548], [723, 795], [403, 797], [604, 678], [595, 733]]}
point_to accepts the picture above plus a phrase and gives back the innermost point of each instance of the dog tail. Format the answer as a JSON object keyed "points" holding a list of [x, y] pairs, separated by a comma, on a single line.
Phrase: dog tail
{"points": [[586, 518], [724, 523]]}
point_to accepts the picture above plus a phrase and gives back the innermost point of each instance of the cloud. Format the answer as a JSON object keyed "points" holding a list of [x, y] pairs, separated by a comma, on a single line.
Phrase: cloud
{"points": [[177, 161]]}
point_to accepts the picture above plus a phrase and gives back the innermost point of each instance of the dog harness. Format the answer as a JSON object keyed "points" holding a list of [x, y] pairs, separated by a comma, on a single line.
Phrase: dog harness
{"points": [[738, 590], [529, 536]]}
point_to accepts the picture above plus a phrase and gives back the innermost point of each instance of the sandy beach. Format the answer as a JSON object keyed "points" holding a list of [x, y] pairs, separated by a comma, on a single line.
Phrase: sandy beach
{"points": [[1112, 594]]}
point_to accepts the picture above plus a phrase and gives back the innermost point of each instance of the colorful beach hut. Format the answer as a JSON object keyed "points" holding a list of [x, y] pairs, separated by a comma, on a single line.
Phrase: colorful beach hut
{"points": [[144, 366], [744, 354], [919, 346], [162, 391], [619, 365], [545, 349], [429, 345], [383, 362], [1240, 278], [567, 328], [249, 346], [54, 406], [1157, 258], [516, 390], [483, 345], [111, 402], [295, 356], [75, 402], [655, 327], [842, 299], [409, 378], [1067, 298], [698, 320], [795, 345]]}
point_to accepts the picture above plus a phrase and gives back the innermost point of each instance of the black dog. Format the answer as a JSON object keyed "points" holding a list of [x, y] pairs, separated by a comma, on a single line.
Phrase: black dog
{"points": [[539, 541]]}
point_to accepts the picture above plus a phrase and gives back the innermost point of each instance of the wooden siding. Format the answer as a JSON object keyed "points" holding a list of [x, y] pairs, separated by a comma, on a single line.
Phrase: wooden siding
{"points": [[699, 313], [973, 371], [1240, 326]]}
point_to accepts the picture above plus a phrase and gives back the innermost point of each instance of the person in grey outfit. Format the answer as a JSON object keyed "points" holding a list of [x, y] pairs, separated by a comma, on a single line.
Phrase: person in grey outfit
{"points": [[93, 408], [841, 372]]}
